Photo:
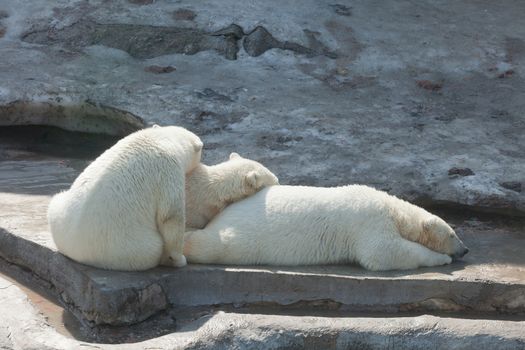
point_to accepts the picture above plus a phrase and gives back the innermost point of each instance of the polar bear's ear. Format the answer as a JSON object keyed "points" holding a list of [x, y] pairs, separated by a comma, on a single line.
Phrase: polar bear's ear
{"points": [[197, 145], [155, 126], [234, 155], [429, 225], [251, 179]]}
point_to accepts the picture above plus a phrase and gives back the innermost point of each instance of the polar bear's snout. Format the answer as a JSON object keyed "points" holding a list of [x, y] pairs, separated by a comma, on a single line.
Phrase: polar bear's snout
{"points": [[461, 251], [440, 237]]}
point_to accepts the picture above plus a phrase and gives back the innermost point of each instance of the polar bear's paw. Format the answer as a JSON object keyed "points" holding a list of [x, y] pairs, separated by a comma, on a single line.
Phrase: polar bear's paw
{"points": [[173, 260], [443, 260], [178, 260]]}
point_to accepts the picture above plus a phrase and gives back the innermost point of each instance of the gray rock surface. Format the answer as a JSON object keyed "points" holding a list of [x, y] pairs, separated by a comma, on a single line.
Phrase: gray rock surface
{"points": [[392, 95], [22, 327], [422, 99]]}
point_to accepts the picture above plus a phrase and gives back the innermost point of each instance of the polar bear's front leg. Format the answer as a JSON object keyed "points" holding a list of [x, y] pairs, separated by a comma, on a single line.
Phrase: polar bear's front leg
{"points": [[401, 254]]}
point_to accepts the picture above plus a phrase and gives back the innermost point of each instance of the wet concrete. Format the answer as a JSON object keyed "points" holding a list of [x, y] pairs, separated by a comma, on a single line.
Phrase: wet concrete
{"points": [[42, 297]]}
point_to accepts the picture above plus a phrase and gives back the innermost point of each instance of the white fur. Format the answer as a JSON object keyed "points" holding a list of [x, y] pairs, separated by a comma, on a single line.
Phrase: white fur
{"points": [[211, 188], [126, 210], [288, 225]]}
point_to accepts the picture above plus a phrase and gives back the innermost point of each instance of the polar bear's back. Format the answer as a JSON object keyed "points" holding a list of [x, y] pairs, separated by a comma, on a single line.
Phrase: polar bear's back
{"points": [[129, 176], [122, 182], [278, 204], [137, 156], [285, 224], [83, 233]]}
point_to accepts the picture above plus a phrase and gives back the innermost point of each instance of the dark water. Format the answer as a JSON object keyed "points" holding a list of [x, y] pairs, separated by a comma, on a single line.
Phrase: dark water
{"points": [[52, 141]]}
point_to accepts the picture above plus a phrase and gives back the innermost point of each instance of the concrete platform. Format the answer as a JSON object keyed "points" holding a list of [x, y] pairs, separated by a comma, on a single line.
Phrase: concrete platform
{"points": [[490, 279]]}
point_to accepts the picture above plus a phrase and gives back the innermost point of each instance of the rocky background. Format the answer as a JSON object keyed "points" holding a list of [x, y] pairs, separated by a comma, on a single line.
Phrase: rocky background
{"points": [[424, 99]]}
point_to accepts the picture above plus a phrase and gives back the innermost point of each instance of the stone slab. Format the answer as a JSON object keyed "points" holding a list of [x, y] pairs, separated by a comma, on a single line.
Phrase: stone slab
{"points": [[490, 279]]}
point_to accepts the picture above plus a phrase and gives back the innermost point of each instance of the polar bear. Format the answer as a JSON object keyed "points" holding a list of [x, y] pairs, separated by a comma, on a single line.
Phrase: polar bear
{"points": [[126, 210], [209, 189], [298, 225]]}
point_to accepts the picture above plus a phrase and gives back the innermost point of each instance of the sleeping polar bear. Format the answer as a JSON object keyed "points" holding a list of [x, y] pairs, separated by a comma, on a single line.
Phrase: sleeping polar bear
{"points": [[296, 225]]}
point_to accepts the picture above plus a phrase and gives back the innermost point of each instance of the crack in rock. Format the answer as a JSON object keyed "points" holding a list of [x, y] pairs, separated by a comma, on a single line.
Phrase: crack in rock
{"points": [[232, 30], [342, 10], [460, 172], [184, 15], [160, 69], [3, 28], [260, 40], [144, 41], [210, 94], [205, 122], [141, 2], [140, 41], [512, 185]]}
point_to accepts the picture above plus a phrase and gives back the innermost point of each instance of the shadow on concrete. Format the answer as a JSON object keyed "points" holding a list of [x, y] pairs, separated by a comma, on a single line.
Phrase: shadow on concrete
{"points": [[355, 270], [327, 308]]}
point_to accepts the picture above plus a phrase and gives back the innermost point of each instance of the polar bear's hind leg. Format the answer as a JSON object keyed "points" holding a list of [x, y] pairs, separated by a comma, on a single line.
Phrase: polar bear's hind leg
{"points": [[172, 231], [171, 222]]}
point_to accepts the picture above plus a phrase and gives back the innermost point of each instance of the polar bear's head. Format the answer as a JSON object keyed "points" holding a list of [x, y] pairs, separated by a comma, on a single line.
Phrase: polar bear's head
{"points": [[241, 177], [193, 145], [256, 175], [190, 143], [209, 189], [440, 237]]}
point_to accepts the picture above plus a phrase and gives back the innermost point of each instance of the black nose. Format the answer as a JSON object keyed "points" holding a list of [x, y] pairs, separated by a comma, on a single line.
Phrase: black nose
{"points": [[460, 254]]}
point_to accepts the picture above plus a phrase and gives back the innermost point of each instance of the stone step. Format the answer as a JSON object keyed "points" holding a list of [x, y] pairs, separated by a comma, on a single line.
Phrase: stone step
{"points": [[21, 326]]}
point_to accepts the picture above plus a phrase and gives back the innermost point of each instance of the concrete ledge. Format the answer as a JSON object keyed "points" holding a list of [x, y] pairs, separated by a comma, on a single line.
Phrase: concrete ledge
{"points": [[72, 281], [21, 327], [109, 297], [490, 279]]}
